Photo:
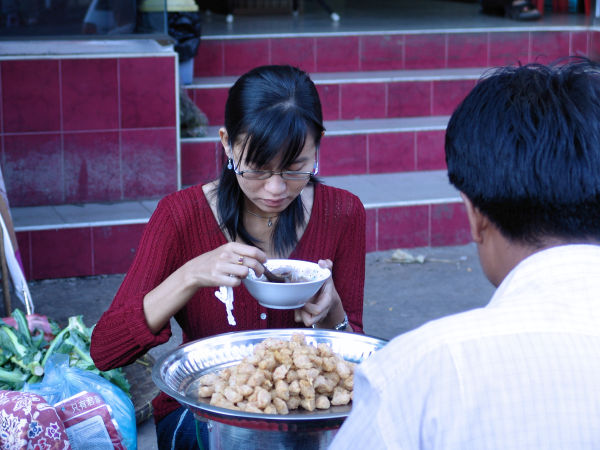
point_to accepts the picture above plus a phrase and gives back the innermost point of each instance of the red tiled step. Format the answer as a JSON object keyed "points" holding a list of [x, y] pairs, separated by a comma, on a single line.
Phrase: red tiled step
{"points": [[350, 147], [363, 95], [403, 210], [392, 50], [408, 209], [96, 127]]}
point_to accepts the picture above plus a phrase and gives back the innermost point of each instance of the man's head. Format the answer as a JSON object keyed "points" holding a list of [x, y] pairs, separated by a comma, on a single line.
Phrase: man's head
{"points": [[524, 147]]}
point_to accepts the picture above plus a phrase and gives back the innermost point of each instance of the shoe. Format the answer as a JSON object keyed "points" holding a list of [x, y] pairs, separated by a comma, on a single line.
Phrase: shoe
{"points": [[522, 10]]}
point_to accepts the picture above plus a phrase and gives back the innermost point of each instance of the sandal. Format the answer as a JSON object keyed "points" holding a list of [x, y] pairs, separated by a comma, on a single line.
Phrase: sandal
{"points": [[522, 10]]}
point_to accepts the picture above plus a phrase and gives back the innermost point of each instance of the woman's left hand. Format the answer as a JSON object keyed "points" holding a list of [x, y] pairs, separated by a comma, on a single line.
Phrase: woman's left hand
{"points": [[325, 306]]}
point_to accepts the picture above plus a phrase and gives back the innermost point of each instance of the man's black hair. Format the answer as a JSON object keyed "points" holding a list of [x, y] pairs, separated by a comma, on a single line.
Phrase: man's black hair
{"points": [[524, 146]]}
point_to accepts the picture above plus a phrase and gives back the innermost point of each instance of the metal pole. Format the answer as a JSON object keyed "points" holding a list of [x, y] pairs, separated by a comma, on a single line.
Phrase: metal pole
{"points": [[5, 285]]}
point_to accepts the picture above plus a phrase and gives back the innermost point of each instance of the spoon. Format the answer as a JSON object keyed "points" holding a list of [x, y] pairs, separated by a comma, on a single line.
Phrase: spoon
{"points": [[274, 278]]}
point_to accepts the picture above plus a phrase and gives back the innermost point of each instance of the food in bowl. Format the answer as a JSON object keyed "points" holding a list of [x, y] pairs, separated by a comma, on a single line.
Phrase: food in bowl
{"points": [[289, 275], [307, 279], [280, 376]]}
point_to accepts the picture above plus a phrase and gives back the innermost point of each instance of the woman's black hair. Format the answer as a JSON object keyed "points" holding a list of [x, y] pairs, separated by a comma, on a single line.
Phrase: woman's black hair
{"points": [[270, 111], [524, 146]]}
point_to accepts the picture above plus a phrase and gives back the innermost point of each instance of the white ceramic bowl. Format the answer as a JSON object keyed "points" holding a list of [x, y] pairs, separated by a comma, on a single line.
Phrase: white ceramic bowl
{"points": [[287, 295]]}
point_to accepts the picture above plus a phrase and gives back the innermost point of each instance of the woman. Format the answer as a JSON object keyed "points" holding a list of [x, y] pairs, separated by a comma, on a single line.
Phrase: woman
{"points": [[267, 203]]}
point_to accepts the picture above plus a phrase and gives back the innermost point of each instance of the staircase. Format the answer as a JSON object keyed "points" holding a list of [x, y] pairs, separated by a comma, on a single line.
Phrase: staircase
{"points": [[386, 100], [386, 95]]}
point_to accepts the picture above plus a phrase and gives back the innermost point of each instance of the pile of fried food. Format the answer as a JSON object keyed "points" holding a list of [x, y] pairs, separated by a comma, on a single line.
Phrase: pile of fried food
{"points": [[281, 376]]}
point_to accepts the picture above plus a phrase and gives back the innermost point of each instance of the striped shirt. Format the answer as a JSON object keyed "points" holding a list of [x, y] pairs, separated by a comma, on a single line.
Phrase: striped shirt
{"points": [[521, 373]]}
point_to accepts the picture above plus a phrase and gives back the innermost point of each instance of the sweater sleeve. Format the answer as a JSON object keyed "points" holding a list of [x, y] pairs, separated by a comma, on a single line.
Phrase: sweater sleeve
{"points": [[349, 263], [122, 333]]}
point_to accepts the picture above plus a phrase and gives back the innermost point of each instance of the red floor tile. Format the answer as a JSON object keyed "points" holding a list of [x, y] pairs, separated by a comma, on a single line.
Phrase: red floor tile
{"points": [[371, 230], [430, 150], [508, 48], [297, 52], [212, 103], [594, 50], [210, 62], [149, 164], [548, 46], [580, 41], [90, 91], [337, 54], [61, 253], [30, 96], [467, 50], [392, 152], [329, 95], [447, 95], [406, 227], [199, 162], [343, 155], [148, 92], [24, 243], [449, 225], [33, 169], [409, 99], [115, 247], [92, 168], [363, 101], [384, 52], [244, 54], [425, 51]]}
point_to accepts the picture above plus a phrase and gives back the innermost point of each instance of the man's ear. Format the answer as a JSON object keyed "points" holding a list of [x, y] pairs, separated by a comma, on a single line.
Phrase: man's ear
{"points": [[225, 141], [478, 222]]}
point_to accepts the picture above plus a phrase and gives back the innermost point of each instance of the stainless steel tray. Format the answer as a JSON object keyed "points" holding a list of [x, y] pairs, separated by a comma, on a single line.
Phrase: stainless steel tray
{"points": [[175, 372]]}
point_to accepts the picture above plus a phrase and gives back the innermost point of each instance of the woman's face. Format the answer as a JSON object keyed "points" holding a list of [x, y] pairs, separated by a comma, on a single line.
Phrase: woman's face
{"points": [[274, 194]]}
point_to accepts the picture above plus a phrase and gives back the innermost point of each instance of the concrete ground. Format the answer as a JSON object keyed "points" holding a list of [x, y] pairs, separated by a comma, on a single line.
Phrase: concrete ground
{"points": [[398, 297]]}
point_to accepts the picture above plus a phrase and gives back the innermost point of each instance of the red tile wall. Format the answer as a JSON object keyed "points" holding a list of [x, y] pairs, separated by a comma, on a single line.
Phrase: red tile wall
{"points": [[104, 250], [115, 247], [73, 252], [395, 51], [382, 153], [351, 101], [391, 152], [353, 154], [417, 226], [200, 162], [88, 129]]}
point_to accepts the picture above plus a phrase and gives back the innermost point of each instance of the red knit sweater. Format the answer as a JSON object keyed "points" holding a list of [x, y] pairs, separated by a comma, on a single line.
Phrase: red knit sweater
{"points": [[183, 227]]}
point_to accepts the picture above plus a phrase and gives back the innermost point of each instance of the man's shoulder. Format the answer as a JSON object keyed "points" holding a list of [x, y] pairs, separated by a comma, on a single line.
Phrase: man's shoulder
{"points": [[431, 340]]}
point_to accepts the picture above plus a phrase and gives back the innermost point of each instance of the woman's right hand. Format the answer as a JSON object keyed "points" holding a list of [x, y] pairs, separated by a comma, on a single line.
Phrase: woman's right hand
{"points": [[223, 266], [226, 265]]}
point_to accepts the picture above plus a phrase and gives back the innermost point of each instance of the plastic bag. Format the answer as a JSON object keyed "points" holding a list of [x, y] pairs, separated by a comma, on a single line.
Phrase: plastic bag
{"points": [[62, 381], [186, 28]]}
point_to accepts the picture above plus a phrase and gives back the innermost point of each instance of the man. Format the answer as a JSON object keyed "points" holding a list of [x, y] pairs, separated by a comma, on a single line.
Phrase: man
{"points": [[523, 372]]}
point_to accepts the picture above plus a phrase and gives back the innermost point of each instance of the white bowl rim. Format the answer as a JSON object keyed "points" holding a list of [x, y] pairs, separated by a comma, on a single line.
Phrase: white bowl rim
{"points": [[323, 270]]}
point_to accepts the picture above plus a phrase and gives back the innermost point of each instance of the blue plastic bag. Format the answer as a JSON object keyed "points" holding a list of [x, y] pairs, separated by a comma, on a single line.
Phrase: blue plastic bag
{"points": [[62, 381]]}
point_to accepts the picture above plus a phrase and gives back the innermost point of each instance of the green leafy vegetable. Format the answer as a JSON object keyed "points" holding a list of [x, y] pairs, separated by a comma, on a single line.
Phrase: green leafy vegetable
{"points": [[23, 355]]}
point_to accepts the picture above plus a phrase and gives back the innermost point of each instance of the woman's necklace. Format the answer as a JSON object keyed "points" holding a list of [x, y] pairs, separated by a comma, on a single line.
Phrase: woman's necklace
{"points": [[269, 219]]}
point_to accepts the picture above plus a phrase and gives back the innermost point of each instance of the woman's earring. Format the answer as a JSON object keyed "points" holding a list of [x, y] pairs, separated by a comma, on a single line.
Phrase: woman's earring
{"points": [[229, 163]]}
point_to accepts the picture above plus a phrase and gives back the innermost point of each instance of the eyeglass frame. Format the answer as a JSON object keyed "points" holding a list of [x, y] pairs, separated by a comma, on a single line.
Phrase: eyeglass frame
{"points": [[281, 173]]}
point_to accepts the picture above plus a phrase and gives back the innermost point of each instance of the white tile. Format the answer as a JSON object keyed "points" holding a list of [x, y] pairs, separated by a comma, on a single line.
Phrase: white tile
{"points": [[91, 213], [398, 189], [33, 216]]}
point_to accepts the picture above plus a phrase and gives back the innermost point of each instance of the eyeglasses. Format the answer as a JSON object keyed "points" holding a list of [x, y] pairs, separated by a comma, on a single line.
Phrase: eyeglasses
{"points": [[291, 175]]}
